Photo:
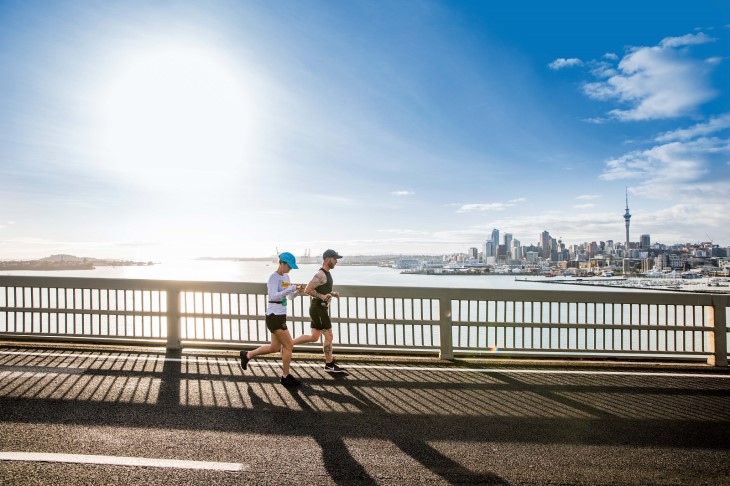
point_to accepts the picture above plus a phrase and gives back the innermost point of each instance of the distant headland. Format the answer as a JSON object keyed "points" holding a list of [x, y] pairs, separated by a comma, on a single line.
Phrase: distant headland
{"points": [[67, 262]]}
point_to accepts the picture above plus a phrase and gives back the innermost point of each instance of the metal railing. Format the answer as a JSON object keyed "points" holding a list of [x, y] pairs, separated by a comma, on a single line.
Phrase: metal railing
{"points": [[441, 321]]}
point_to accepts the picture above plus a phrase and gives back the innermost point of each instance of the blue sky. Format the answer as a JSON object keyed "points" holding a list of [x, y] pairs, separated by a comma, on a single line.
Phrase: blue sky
{"points": [[180, 129]]}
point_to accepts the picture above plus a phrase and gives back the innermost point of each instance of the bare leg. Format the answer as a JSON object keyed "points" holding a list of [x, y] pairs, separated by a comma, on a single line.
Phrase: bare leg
{"points": [[308, 338], [327, 346], [274, 347], [286, 349]]}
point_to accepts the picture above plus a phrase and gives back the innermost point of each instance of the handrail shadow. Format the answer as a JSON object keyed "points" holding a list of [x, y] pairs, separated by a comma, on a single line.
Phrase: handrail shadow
{"points": [[410, 408]]}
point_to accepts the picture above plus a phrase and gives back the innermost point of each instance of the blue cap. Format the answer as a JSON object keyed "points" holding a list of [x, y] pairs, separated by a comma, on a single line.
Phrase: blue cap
{"points": [[289, 259]]}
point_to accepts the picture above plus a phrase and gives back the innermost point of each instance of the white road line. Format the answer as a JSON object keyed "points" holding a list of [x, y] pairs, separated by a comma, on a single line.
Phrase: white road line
{"points": [[39, 370], [445, 369], [120, 461]]}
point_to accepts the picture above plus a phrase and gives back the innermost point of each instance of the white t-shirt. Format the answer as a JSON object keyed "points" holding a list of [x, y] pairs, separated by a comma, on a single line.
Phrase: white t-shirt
{"points": [[279, 288]]}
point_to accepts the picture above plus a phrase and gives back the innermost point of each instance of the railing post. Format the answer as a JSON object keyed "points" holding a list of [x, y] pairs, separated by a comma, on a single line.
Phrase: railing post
{"points": [[718, 339], [173, 318], [446, 326]]}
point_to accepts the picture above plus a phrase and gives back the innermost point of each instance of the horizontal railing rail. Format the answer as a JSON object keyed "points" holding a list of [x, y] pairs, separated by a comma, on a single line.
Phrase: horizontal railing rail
{"points": [[443, 321]]}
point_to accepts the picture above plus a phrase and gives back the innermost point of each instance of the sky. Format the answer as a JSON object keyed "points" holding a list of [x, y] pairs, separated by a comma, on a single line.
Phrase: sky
{"points": [[153, 130]]}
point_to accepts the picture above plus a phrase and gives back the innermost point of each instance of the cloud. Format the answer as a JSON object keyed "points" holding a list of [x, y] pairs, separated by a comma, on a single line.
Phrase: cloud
{"points": [[588, 197], [402, 193], [584, 206], [561, 63], [657, 82], [686, 40], [611, 56], [403, 231], [670, 170], [473, 208], [714, 125]]}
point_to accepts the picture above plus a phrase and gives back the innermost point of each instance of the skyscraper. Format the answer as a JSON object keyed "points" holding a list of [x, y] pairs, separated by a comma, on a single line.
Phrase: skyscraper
{"points": [[488, 250], [495, 241], [545, 241], [645, 242], [508, 241]]}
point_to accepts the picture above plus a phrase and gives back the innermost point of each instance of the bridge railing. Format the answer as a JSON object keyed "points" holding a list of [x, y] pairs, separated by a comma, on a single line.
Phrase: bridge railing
{"points": [[444, 321]]}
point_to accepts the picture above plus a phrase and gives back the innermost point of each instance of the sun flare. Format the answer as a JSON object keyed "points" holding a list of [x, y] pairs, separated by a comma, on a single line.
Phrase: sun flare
{"points": [[172, 113]]}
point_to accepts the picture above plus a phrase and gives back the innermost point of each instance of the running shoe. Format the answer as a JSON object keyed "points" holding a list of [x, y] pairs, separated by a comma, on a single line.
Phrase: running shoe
{"points": [[244, 359], [333, 368], [289, 380]]}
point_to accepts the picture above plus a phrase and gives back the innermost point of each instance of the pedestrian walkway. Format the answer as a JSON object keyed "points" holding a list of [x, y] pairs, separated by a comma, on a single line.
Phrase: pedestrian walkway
{"points": [[80, 415]]}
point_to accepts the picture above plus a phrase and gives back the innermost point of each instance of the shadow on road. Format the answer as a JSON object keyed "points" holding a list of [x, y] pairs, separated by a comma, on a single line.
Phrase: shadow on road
{"points": [[417, 411]]}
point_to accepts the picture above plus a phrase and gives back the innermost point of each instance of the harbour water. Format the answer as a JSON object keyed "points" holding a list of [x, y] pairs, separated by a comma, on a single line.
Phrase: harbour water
{"points": [[257, 271]]}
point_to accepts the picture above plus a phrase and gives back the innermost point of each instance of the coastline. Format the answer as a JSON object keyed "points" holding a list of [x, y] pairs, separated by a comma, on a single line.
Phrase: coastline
{"points": [[675, 285]]}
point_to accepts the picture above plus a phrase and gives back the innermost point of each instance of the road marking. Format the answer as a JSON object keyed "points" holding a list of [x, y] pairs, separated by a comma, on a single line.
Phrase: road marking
{"points": [[445, 369], [42, 370], [120, 461]]}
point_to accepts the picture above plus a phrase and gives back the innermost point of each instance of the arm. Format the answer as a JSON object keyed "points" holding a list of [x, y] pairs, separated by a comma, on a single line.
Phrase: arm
{"points": [[273, 290], [318, 279]]}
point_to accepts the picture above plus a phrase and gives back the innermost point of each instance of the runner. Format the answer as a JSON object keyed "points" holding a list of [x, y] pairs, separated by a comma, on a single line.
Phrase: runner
{"points": [[279, 289], [320, 289]]}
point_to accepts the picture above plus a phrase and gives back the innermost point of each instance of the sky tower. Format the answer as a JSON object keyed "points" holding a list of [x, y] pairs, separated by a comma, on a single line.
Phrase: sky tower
{"points": [[627, 218]]}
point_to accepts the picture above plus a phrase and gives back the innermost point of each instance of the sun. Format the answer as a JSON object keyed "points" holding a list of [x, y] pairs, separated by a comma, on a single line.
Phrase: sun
{"points": [[174, 113]]}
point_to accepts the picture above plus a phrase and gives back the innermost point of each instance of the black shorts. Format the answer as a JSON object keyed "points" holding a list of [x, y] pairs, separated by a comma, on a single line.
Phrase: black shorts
{"points": [[320, 315], [274, 322]]}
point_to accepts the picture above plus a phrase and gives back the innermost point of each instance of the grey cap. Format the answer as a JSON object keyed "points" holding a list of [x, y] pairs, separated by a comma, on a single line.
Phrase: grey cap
{"points": [[331, 254]]}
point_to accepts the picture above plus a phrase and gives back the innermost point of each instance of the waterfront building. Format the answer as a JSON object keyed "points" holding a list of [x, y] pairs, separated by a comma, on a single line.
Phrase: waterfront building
{"points": [[508, 241], [545, 245], [488, 250], [645, 243], [495, 242]]}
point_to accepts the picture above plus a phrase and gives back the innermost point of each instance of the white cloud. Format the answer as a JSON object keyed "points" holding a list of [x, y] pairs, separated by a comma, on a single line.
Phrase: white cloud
{"points": [[402, 193], [714, 125], [611, 56], [655, 82], [561, 63], [675, 169], [686, 40], [588, 197], [472, 208], [402, 231]]}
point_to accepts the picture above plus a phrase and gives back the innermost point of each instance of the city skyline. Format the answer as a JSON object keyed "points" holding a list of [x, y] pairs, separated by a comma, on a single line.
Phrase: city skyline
{"points": [[151, 131]]}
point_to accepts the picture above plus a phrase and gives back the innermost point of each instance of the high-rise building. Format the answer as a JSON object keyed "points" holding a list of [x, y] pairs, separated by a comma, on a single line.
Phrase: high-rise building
{"points": [[545, 245], [473, 253], [645, 242], [508, 240], [516, 252], [488, 249], [495, 241]]}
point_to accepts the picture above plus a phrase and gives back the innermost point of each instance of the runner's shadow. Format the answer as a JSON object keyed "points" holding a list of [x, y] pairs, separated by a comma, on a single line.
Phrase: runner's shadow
{"points": [[335, 454]]}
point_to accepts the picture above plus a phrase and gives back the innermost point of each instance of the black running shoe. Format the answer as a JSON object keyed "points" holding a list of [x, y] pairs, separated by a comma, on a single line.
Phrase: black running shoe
{"points": [[289, 380], [333, 368], [244, 359]]}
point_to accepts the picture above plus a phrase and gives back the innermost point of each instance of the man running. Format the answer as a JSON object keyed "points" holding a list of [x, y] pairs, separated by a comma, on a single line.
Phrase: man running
{"points": [[320, 289]]}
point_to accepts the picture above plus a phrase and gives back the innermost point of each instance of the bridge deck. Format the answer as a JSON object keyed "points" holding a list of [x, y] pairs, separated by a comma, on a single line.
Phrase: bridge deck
{"points": [[197, 417]]}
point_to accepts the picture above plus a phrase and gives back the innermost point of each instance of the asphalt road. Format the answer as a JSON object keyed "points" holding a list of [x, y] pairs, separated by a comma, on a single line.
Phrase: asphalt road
{"points": [[102, 416]]}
